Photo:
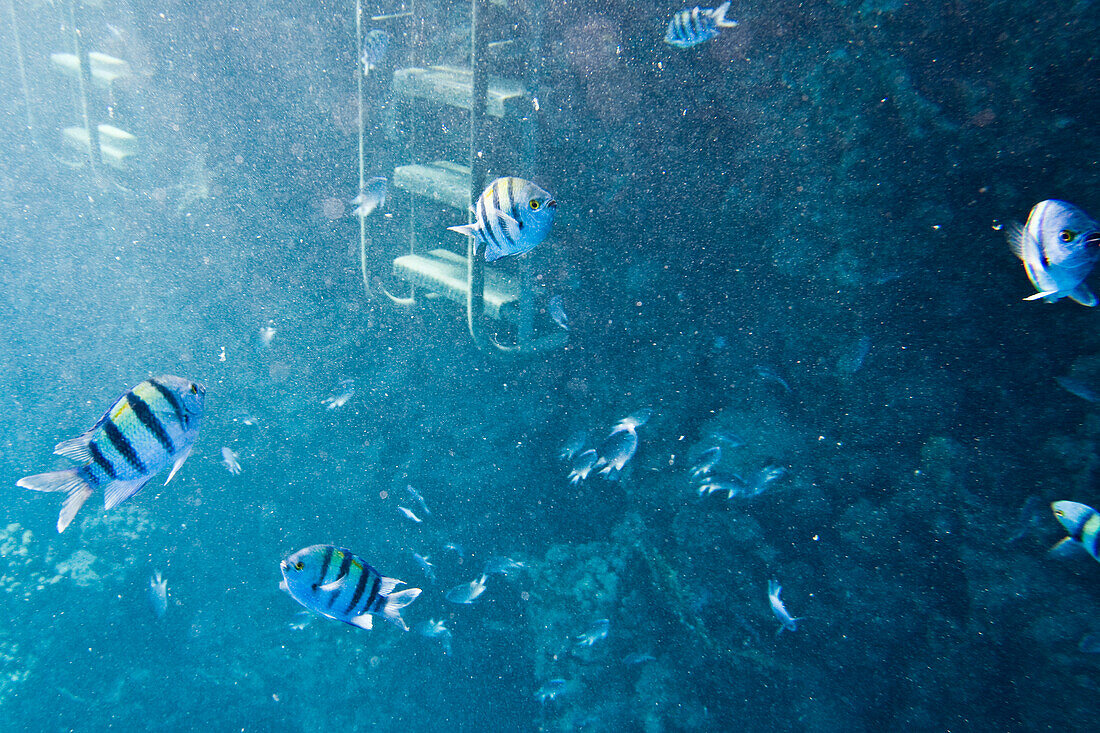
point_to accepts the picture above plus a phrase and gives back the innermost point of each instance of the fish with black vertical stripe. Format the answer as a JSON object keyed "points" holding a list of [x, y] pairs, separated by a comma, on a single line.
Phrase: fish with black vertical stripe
{"points": [[152, 426], [512, 216], [693, 26], [340, 585]]}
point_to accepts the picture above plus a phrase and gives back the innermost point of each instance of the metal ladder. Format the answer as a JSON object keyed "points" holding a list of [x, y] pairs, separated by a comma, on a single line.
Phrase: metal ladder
{"points": [[490, 294], [99, 143]]}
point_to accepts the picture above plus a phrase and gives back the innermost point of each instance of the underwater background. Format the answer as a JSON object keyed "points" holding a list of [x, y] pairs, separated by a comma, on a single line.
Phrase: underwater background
{"points": [[789, 233]]}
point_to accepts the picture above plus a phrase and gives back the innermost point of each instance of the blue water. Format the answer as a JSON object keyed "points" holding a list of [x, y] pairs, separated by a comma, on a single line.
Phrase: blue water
{"points": [[812, 197]]}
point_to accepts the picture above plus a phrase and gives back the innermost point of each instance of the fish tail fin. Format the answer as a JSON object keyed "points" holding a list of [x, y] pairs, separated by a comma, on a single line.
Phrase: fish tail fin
{"points": [[69, 481], [1083, 295], [395, 602], [469, 230], [720, 16]]}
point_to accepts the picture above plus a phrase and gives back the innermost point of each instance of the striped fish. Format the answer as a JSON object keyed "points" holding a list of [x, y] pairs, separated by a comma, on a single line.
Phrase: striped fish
{"points": [[691, 27], [1083, 524], [148, 428], [336, 583], [511, 217]]}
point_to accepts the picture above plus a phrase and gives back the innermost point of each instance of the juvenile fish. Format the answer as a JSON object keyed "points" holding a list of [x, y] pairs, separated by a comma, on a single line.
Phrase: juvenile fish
{"points": [[373, 196], [780, 611], [158, 594], [1059, 245], [557, 312], [467, 592], [690, 27], [152, 426], [596, 632], [374, 50], [616, 451], [408, 514], [418, 498], [1083, 524], [505, 566], [512, 216], [433, 629], [425, 565], [229, 460], [344, 392], [550, 690], [765, 477], [708, 459], [337, 584]]}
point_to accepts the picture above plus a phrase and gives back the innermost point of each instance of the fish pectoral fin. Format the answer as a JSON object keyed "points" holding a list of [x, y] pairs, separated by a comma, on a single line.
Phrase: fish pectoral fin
{"points": [[179, 462], [117, 492], [1040, 296], [334, 584], [363, 622], [283, 586], [1083, 295]]}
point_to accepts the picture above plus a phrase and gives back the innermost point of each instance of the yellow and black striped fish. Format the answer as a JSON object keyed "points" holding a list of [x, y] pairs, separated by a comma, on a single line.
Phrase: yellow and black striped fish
{"points": [[512, 216], [336, 583], [1083, 524], [148, 428]]}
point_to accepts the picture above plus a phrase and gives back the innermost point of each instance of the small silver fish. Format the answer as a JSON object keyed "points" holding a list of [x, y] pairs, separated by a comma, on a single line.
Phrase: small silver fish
{"points": [[557, 312], [375, 44], [690, 27], [852, 359], [1059, 246], [708, 459], [416, 496], [302, 619], [732, 485], [575, 443], [583, 463], [467, 592], [158, 594], [408, 514], [786, 621], [512, 216], [638, 658], [433, 629], [229, 460], [373, 196], [596, 632], [634, 420], [425, 565], [505, 566], [267, 335], [733, 440], [616, 450], [765, 477], [344, 392], [456, 549]]}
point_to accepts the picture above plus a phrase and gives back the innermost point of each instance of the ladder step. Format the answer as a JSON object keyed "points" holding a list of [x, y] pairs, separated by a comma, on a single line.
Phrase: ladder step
{"points": [[448, 85], [105, 69], [115, 146], [444, 272], [441, 180]]}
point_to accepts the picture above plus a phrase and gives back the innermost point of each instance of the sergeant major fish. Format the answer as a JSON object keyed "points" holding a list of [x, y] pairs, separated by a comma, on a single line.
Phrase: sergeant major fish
{"points": [[583, 463], [151, 426], [1083, 524], [691, 27], [1059, 245], [467, 592], [337, 584], [512, 216]]}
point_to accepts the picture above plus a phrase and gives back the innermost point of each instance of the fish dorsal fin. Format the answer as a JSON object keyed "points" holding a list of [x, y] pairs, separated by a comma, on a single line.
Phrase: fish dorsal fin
{"points": [[76, 448], [179, 462], [1017, 237], [117, 492], [387, 585], [333, 585]]}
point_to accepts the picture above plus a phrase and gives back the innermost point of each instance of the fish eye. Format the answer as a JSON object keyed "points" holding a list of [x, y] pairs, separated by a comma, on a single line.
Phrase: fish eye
{"points": [[534, 204], [1067, 235], [194, 389], [299, 565]]}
